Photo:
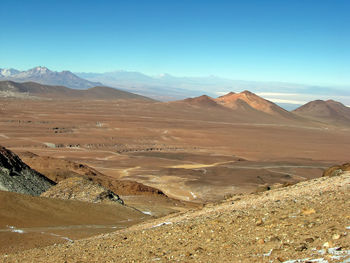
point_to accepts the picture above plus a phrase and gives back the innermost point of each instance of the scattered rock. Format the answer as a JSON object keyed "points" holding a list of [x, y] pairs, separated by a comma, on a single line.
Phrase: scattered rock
{"points": [[262, 188], [81, 189], [328, 244], [309, 240], [307, 212], [280, 259], [301, 247], [335, 236], [336, 170], [275, 239], [259, 222], [261, 241]]}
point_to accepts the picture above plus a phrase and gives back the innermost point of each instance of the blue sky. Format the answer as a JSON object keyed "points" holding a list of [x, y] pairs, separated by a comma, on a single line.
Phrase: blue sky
{"points": [[302, 41]]}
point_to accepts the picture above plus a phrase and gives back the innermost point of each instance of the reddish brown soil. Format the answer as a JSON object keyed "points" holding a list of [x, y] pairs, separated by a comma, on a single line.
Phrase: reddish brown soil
{"points": [[47, 221], [246, 99], [147, 143], [60, 169], [189, 152]]}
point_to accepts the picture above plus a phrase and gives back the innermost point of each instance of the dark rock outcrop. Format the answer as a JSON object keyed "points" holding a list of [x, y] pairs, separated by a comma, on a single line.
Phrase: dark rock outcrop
{"points": [[16, 176]]}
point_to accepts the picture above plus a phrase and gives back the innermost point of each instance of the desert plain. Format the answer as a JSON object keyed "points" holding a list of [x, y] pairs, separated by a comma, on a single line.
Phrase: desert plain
{"points": [[172, 156]]}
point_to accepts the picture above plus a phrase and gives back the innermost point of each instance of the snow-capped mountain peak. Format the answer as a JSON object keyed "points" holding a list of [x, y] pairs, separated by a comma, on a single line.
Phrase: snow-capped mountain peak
{"points": [[45, 76], [39, 70], [8, 72]]}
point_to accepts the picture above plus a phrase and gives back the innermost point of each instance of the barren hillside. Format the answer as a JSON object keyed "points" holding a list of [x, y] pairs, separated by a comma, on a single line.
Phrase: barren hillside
{"points": [[33, 89], [329, 111], [307, 222], [29, 222]]}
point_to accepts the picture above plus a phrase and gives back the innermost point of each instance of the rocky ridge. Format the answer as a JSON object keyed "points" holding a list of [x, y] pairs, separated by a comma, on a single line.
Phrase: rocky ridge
{"points": [[16, 176], [82, 189]]}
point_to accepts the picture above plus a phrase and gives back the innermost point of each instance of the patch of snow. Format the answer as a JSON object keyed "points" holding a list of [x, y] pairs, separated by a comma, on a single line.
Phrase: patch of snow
{"points": [[268, 253], [163, 224], [68, 239], [193, 195], [336, 251], [8, 72], [15, 230], [20, 231], [321, 252], [50, 145], [317, 260], [147, 212], [63, 237]]}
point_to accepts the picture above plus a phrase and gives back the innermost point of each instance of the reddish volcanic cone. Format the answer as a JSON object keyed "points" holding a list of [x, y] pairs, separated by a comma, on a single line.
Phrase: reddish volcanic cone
{"points": [[247, 99]]}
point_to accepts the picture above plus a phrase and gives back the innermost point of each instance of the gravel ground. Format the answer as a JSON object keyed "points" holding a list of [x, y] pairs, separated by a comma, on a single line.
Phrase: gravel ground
{"points": [[306, 222]]}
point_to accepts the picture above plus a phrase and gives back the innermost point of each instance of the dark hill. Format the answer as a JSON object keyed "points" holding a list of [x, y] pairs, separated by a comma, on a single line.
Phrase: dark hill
{"points": [[329, 111], [14, 89], [16, 176]]}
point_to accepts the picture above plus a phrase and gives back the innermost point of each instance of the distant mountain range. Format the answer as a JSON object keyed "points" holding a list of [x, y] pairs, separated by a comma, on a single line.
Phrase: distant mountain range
{"points": [[166, 87], [244, 106], [45, 76], [163, 87]]}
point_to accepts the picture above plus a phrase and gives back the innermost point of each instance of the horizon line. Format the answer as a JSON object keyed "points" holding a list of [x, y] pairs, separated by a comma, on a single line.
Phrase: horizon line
{"points": [[191, 76]]}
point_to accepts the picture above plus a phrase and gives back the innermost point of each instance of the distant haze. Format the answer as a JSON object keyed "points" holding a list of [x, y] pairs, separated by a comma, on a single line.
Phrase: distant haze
{"points": [[168, 87]]}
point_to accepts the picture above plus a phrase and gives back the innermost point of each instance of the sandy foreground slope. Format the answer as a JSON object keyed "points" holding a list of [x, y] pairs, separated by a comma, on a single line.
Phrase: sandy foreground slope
{"points": [[310, 220], [29, 221]]}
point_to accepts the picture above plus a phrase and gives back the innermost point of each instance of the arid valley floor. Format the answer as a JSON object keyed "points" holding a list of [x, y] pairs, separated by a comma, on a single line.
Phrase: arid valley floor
{"points": [[170, 158]]}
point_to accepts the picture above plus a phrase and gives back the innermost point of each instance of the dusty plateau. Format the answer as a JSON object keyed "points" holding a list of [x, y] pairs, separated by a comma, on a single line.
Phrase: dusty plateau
{"points": [[171, 159]]}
